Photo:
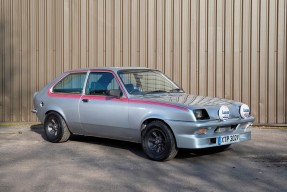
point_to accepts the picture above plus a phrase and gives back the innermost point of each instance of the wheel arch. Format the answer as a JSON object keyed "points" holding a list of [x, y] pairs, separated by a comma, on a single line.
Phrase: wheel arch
{"points": [[151, 119], [64, 131], [55, 111]]}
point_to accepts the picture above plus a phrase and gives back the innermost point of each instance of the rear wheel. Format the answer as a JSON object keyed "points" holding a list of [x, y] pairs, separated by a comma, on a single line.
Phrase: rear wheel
{"points": [[56, 129], [158, 142]]}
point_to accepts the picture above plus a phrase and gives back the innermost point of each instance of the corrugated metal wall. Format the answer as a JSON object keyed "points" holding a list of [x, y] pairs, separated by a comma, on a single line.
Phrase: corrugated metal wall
{"points": [[228, 48]]}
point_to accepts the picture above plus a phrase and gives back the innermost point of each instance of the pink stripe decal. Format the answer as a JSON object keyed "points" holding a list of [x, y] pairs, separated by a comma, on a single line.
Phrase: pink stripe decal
{"points": [[63, 95], [104, 98], [158, 103], [107, 98]]}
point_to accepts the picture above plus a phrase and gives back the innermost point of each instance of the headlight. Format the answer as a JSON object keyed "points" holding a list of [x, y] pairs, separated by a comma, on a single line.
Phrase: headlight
{"points": [[200, 114], [244, 111]]}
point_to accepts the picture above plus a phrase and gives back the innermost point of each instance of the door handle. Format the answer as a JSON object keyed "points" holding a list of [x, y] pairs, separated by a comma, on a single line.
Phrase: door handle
{"points": [[85, 100]]}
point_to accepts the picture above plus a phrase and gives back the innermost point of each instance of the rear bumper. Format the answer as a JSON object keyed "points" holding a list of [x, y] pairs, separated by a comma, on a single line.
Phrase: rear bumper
{"points": [[187, 137]]}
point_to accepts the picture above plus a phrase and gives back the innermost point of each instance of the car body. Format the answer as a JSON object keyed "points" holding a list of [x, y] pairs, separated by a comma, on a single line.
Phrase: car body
{"points": [[139, 105]]}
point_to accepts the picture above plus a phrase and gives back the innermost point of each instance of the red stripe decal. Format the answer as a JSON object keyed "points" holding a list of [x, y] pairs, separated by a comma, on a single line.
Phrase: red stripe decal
{"points": [[158, 103], [63, 95], [104, 98]]}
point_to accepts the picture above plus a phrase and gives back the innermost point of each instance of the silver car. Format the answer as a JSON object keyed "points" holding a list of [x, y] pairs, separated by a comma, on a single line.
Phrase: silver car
{"points": [[139, 105]]}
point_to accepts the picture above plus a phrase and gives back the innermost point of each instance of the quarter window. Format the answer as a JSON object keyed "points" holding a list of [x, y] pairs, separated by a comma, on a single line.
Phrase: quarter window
{"points": [[72, 83]]}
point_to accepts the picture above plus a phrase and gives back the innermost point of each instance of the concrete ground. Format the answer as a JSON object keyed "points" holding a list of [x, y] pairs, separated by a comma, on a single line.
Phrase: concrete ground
{"points": [[29, 163]]}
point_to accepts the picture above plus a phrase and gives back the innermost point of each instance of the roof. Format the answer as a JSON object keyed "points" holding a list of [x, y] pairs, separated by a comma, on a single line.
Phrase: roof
{"points": [[115, 69]]}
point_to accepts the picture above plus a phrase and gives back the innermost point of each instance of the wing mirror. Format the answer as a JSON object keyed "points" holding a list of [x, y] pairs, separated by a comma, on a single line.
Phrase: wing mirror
{"points": [[115, 92]]}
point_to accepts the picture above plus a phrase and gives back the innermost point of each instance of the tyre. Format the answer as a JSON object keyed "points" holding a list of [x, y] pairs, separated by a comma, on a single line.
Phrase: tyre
{"points": [[56, 129], [158, 142]]}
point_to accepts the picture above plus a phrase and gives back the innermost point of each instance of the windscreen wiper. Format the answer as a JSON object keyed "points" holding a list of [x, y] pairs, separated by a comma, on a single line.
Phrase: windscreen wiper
{"points": [[155, 91], [177, 90]]}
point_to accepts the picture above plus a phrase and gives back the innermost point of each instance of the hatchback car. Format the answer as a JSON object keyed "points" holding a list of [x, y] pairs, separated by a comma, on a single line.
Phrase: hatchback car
{"points": [[139, 105]]}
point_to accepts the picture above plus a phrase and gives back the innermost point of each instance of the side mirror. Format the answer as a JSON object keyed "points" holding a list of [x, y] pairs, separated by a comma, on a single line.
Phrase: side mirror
{"points": [[115, 92]]}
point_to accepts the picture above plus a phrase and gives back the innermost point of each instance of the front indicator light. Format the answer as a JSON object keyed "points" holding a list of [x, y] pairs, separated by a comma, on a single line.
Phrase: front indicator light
{"points": [[201, 131], [247, 125]]}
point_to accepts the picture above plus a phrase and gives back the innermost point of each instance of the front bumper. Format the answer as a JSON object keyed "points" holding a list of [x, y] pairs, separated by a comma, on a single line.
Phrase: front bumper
{"points": [[187, 136]]}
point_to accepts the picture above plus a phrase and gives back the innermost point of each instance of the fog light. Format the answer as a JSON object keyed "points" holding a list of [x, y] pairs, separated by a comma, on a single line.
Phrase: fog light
{"points": [[224, 113], [244, 111], [201, 131]]}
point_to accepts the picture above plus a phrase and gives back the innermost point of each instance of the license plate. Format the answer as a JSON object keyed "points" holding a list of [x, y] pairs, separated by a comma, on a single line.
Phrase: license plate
{"points": [[227, 139]]}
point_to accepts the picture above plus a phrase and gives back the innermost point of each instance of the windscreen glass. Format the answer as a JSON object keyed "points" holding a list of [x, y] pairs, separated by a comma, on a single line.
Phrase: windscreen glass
{"points": [[144, 82]]}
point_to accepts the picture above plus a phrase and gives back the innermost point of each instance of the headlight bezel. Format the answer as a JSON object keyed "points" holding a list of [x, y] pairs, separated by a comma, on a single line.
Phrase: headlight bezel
{"points": [[200, 114]]}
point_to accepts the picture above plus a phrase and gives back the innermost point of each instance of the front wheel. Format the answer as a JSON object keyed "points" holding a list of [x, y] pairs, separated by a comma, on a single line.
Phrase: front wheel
{"points": [[158, 142], [56, 129]]}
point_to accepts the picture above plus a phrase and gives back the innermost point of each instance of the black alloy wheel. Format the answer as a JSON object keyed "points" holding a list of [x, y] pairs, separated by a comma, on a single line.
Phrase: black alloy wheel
{"points": [[158, 141], [56, 129]]}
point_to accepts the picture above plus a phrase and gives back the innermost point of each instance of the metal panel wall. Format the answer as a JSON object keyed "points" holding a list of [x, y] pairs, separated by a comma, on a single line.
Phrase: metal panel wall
{"points": [[227, 48]]}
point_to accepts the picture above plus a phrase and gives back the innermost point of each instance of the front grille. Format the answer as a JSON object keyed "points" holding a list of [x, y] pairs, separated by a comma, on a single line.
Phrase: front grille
{"points": [[212, 140], [228, 128]]}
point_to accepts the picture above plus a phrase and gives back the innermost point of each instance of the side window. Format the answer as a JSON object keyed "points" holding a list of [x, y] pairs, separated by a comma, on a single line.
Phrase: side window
{"points": [[101, 82], [72, 83]]}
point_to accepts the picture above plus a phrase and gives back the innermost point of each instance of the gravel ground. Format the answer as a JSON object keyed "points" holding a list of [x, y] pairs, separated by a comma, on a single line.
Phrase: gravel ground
{"points": [[29, 163]]}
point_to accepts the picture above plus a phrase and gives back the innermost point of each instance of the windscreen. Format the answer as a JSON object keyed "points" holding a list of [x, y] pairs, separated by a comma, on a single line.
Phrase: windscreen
{"points": [[144, 82]]}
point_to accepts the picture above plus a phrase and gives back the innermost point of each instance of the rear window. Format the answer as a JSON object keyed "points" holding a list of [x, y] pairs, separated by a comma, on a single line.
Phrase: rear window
{"points": [[72, 83]]}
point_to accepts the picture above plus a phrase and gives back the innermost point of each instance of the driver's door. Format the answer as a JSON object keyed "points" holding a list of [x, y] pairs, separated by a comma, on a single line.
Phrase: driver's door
{"points": [[102, 115]]}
